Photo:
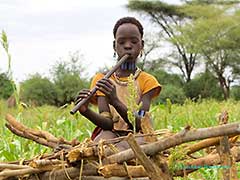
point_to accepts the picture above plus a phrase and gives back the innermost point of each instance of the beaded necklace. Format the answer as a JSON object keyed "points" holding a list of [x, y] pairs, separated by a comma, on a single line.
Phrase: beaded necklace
{"points": [[124, 82]]}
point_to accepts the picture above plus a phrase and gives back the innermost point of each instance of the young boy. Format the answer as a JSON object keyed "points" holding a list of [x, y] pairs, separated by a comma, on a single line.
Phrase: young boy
{"points": [[111, 97]]}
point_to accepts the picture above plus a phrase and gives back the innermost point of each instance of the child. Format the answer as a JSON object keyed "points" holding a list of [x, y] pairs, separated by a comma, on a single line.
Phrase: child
{"points": [[111, 97]]}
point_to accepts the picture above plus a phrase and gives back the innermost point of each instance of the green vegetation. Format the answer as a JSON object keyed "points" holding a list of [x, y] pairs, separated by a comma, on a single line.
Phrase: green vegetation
{"points": [[202, 33], [6, 86], [59, 122]]}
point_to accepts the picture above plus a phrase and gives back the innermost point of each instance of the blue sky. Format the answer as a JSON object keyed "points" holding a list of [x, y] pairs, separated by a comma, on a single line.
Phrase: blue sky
{"points": [[40, 32]]}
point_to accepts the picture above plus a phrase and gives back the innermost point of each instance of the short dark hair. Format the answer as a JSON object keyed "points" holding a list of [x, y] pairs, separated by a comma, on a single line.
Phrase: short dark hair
{"points": [[125, 20]]}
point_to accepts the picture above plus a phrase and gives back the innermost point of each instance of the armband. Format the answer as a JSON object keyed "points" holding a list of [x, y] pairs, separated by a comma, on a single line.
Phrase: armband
{"points": [[141, 113]]}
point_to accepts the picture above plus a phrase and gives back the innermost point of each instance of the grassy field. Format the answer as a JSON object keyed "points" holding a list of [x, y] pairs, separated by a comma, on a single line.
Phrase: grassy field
{"points": [[60, 123]]}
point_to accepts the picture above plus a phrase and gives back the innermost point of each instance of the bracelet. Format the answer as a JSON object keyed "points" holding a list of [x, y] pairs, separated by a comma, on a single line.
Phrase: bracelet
{"points": [[141, 113]]}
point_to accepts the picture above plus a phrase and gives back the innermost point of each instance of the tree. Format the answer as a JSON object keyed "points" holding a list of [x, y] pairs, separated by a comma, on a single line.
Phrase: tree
{"points": [[235, 92], [68, 77], [171, 83], [170, 18], [37, 90], [174, 93], [217, 41], [203, 85], [151, 44], [6, 86]]}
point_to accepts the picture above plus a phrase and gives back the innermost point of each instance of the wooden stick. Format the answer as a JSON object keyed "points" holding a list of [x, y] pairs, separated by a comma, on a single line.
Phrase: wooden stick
{"points": [[44, 137], [19, 172], [119, 170], [45, 162], [19, 126], [206, 162], [32, 137], [93, 178], [177, 139], [154, 173], [63, 174], [147, 128], [224, 149], [12, 166], [207, 143], [112, 178], [94, 90]]}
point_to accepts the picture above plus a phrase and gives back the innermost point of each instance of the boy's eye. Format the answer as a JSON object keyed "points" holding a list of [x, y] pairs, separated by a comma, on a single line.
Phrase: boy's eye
{"points": [[134, 40]]}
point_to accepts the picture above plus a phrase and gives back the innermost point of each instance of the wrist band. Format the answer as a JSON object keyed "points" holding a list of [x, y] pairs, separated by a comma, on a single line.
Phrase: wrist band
{"points": [[141, 113]]}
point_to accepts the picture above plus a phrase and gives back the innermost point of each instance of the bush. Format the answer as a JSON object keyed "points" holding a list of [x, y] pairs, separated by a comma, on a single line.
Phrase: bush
{"points": [[68, 78], [6, 86], [165, 78], [174, 93], [38, 91], [67, 87], [204, 85], [235, 93]]}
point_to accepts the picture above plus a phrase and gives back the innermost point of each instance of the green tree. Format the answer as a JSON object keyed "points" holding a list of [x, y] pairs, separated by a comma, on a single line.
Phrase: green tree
{"points": [[235, 92], [203, 85], [174, 93], [170, 18], [6, 87], [68, 77], [172, 84], [37, 90], [215, 33]]}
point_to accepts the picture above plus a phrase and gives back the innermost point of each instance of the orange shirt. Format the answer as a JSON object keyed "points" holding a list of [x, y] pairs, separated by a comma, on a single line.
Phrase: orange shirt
{"points": [[144, 82]]}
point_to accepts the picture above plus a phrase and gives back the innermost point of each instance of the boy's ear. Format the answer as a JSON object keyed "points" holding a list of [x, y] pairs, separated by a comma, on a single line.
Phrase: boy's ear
{"points": [[114, 47]]}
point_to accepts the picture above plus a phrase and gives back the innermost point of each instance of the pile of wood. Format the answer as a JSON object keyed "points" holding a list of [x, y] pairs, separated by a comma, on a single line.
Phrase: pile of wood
{"points": [[164, 156]]}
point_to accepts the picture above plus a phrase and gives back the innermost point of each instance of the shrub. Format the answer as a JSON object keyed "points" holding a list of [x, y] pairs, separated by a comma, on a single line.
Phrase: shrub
{"points": [[38, 90], [174, 93], [235, 93], [68, 78], [204, 85], [6, 86]]}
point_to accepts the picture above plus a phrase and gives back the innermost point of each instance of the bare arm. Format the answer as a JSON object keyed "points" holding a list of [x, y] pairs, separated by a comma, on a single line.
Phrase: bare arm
{"points": [[99, 120], [109, 89]]}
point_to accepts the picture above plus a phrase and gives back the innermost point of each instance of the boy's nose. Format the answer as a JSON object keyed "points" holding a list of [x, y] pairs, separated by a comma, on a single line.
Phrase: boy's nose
{"points": [[127, 45]]}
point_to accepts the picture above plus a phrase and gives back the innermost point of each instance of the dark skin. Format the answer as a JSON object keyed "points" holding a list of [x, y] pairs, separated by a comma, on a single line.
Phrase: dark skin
{"points": [[128, 41]]}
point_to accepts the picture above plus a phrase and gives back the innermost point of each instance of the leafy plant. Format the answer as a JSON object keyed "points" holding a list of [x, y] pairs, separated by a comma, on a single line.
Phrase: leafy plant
{"points": [[132, 105]]}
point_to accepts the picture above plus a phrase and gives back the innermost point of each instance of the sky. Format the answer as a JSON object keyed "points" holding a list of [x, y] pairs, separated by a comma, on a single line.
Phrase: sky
{"points": [[41, 32]]}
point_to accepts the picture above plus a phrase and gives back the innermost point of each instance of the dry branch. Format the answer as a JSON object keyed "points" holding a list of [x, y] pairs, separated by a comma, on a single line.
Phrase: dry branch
{"points": [[31, 137], [224, 149], [42, 137], [152, 170], [12, 166], [56, 165], [206, 162], [119, 170], [177, 139], [207, 143]]}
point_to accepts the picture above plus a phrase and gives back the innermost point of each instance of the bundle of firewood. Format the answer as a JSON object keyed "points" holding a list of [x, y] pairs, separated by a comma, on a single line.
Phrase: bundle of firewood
{"points": [[163, 156]]}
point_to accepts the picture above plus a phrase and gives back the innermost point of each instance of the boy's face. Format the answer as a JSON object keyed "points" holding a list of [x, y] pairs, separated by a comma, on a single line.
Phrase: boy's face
{"points": [[128, 41]]}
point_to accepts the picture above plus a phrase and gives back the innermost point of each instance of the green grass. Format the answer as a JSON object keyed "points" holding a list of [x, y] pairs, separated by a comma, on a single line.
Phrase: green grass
{"points": [[197, 115], [57, 121], [60, 123]]}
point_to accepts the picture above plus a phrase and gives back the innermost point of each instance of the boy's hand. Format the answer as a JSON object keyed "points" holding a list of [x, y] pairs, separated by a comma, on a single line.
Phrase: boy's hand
{"points": [[84, 93], [108, 88]]}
